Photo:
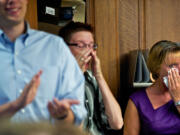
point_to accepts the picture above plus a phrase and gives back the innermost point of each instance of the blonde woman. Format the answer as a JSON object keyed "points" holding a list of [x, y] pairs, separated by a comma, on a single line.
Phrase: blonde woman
{"points": [[156, 109]]}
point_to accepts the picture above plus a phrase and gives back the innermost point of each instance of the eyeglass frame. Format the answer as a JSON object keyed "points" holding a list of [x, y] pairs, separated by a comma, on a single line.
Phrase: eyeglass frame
{"points": [[95, 46]]}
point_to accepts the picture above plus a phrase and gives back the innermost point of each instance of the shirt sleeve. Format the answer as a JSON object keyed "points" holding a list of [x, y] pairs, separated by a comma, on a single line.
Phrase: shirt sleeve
{"points": [[71, 85], [137, 96]]}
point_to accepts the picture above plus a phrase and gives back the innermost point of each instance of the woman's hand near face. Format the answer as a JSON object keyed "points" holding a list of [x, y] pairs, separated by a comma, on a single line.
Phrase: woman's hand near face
{"points": [[96, 66], [174, 84], [84, 58]]}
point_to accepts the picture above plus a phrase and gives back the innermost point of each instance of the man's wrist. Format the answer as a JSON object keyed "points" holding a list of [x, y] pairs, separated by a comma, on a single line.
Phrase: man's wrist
{"points": [[98, 75], [15, 105]]}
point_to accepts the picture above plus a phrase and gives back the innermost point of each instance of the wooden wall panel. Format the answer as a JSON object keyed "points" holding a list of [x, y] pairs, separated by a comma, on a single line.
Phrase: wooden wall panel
{"points": [[116, 32], [128, 22], [128, 25], [90, 9], [31, 15], [106, 31], [162, 20]]}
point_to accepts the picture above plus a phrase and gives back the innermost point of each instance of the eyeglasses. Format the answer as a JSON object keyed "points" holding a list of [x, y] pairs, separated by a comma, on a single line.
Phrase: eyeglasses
{"points": [[83, 45]]}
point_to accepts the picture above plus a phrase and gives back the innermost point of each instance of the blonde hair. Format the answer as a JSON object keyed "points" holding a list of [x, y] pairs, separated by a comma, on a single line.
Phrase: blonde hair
{"points": [[157, 55], [42, 128]]}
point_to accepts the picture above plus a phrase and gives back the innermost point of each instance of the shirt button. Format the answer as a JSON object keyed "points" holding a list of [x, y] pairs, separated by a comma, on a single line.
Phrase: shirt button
{"points": [[19, 72], [90, 118], [20, 91], [22, 110], [87, 101], [16, 53], [26, 80]]}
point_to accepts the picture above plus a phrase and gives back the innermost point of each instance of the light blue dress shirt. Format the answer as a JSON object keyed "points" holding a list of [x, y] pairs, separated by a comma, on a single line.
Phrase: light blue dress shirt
{"points": [[61, 78]]}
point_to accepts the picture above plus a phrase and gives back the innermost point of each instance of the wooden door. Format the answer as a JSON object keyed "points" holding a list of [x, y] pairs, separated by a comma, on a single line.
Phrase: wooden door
{"points": [[31, 15], [162, 19]]}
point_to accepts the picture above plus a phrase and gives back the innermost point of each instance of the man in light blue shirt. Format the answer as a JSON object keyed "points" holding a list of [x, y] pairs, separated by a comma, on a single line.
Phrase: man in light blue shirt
{"points": [[23, 52]]}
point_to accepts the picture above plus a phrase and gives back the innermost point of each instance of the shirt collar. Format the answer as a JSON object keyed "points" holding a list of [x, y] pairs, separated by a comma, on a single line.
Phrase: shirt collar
{"points": [[28, 29], [24, 36], [88, 74], [1, 32], [3, 37]]}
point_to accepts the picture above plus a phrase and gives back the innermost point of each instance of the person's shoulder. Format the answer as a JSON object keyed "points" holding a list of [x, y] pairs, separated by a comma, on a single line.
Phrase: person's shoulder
{"points": [[45, 37], [138, 95], [43, 33], [140, 91], [139, 98]]}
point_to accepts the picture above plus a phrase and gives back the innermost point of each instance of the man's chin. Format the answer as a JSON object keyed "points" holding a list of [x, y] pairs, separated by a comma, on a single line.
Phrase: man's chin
{"points": [[14, 21]]}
